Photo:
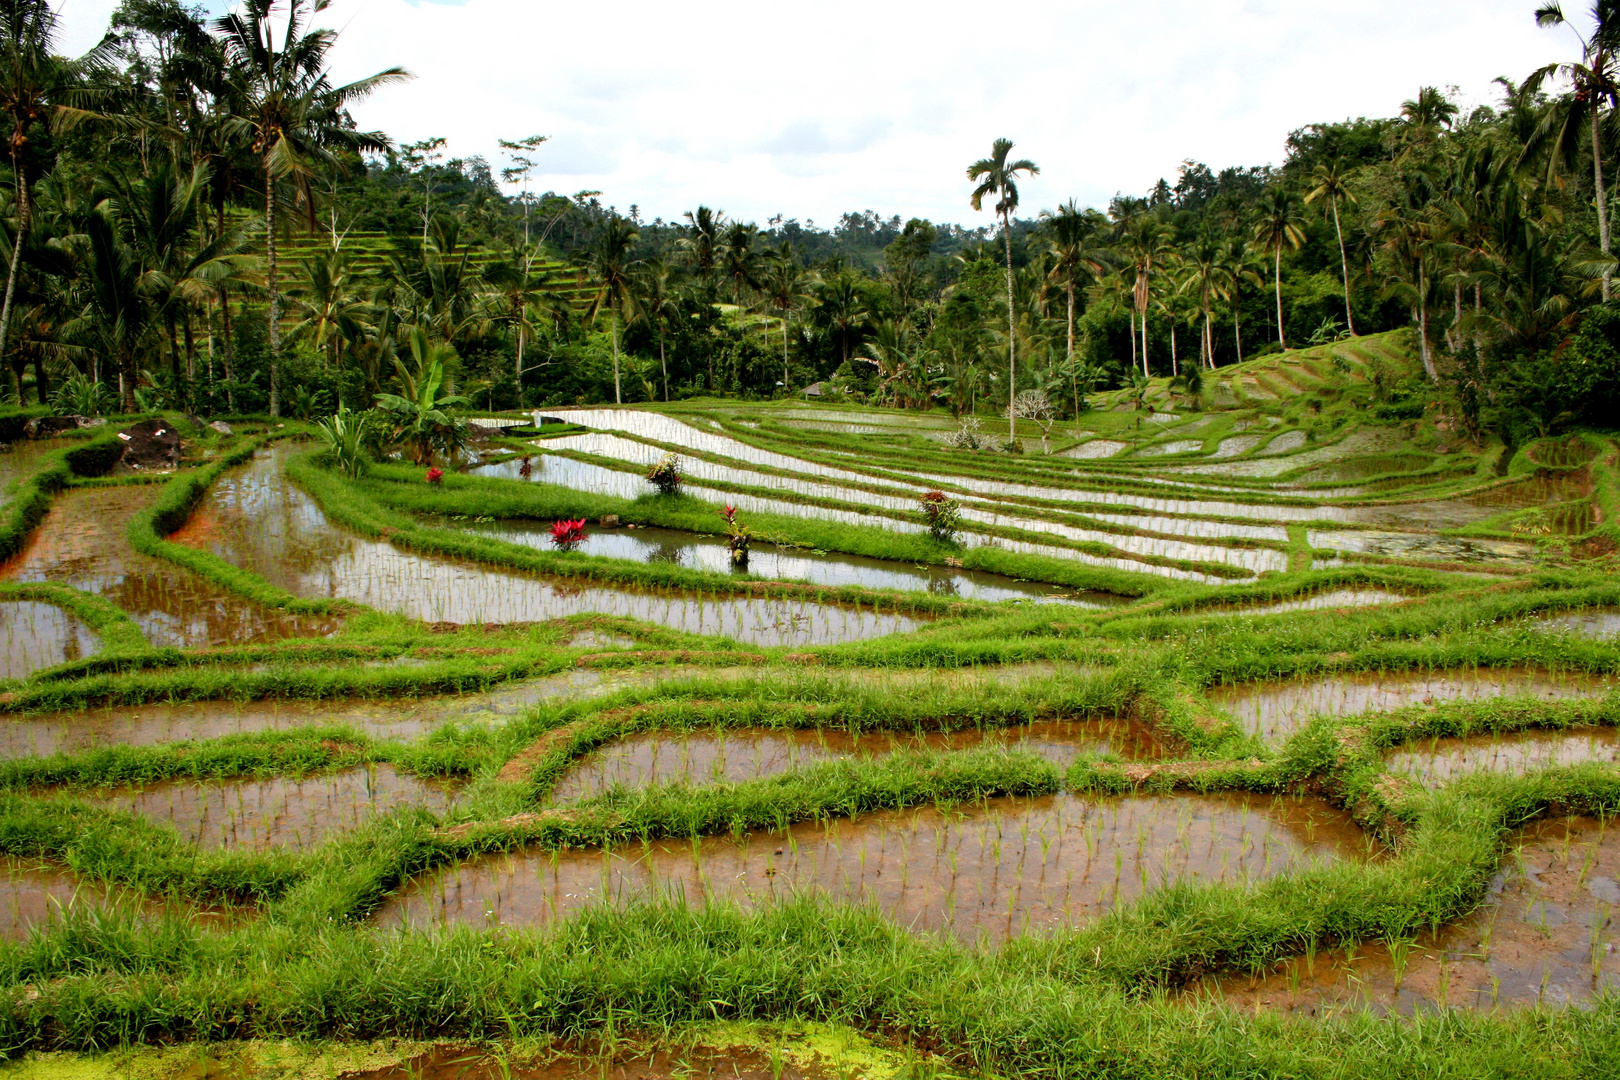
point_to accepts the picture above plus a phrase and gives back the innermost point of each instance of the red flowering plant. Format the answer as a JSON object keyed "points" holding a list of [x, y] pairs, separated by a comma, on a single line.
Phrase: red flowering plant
{"points": [[435, 475], [739, 534], [568, 535], [526, 468], [942, 514]]}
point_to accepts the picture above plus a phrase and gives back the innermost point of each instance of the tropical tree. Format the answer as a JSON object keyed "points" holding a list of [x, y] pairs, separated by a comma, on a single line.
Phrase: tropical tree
{"points": [[1146, 249], [297, 119], [1328, 181], [842, 305], [785, 286], [36, 87], [331, 313], [1278, 228], [997, 176], [657, 301], [1594, 82], [742, 264], [1073, 244], [701, 247], [418, 410], [609, 261]]}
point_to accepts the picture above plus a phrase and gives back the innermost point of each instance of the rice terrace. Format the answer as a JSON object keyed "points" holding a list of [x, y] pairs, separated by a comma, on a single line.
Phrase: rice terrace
{"points": [[453, 631]]}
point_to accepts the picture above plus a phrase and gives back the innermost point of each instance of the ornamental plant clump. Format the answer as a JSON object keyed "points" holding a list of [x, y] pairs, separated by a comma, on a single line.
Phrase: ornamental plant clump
{"points": [[740, 537], [942, 513], [568, 535], [666, 476], [435, 475]]}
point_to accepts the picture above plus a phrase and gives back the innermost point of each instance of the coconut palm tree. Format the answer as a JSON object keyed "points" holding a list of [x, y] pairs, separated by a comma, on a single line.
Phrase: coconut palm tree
{"points": [[1073, 241], [609, 261], [842, 305], [658, 301], [331, 314], [36, 87], [1278, 228], [1328, 181], [1204, 276], [786, 286], [296, 118], [1239, 268], [997, 176], [1146, 249], [701, 247], [741, 262], [1594, 82]]}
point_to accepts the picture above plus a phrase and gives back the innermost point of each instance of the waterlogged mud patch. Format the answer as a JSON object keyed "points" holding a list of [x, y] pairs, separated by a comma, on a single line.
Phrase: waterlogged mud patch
{"points": [[745, 753], [1436, 761], [1276, 710], [35, 635], [987, 871], [75, 730], [1095, 448], [278, 811], [34, 893], [1545, 935], [82, 544]]}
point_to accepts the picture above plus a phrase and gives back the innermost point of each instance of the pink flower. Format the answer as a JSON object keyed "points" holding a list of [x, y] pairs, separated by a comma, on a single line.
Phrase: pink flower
{"points": [[435, 475]]}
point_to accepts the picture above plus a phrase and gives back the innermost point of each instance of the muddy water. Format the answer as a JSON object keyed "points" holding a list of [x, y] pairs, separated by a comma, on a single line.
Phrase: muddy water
{"points": [[81, 543], [1435, 514], [35, 635], [1339, 598], [790, 564], [21, 459], [986, 871], [253, 517], [624, 1062], [746, 753], [277, 811], [76, 730], [1545, 935], [1396, 545], [1601, 625], [34, 893], [1276, 710], [1435, 761]]}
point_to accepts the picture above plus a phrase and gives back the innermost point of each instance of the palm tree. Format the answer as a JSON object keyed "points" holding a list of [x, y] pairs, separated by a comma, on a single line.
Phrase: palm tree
{"points": [[1238, 266], [995, 175], [785, 285], [842, 305], [700, 247], [1077, 256], [609, 262], [1595, 83], [658, 301], [1405, 226], [1328, 182], [518, 291], [1147, 245], [1423, 118], [741, 262], [296, 117], [36, 87], [1278, 228], [331, 313], [1204, 275]]}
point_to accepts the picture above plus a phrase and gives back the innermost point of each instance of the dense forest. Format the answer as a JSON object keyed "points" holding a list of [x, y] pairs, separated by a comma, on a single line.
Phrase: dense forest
{"points": [[194, 221]]}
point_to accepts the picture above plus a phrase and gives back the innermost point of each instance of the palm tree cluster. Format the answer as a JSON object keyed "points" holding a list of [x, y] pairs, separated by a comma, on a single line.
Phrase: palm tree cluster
{"points": [[197, 222]]}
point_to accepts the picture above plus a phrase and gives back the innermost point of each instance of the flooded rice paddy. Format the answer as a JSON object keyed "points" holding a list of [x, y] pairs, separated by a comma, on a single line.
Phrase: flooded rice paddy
{"points": [[81, 544], [1438, 761], [776, 563], [35, 635], [1599, 624], [723, 755], [986, 871], [1545, 935], [281, 812], [77, 730], [34, 894], [255, 518], [1278, 709]]}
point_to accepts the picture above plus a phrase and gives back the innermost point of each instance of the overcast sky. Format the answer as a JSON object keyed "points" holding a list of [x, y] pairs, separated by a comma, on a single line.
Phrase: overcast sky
{"points": [[812, 109]]}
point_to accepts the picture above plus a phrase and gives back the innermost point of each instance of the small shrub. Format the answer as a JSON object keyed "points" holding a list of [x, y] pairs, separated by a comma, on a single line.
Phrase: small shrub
{"points": [[740, 537], [665, 475], [942, 513], [968, 436], [568, 535], [82, 396], [435, 475], [344, 434]]}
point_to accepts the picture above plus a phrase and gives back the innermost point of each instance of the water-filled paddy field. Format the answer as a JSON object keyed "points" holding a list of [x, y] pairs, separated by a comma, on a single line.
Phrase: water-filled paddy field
{"points": [[1205, 713]]}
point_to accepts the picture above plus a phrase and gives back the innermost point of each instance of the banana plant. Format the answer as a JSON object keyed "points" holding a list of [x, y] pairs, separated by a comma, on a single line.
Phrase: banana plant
{"points": [[420, 423]]}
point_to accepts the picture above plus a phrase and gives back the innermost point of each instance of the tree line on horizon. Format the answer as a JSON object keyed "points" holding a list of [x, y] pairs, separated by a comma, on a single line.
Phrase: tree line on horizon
{"points": [[201, 225]]}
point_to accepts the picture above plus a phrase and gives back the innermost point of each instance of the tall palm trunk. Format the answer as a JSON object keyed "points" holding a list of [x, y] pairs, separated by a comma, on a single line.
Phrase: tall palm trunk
{"points": [[1237, 326], [1602, 196], [229, 344], [1012, 341], [1069, 353], [1277, 280], [784, 358], [661, 361], [17, 242], [1344, 267], [1145, 373], [274, 285], [618, 398], [1423, 322]]}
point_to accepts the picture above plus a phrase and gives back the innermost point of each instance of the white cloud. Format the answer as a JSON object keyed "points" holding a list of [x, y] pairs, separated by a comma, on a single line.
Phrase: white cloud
{"points": [[812, 110]]}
